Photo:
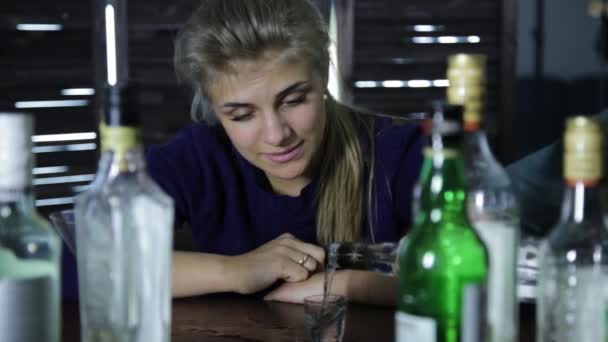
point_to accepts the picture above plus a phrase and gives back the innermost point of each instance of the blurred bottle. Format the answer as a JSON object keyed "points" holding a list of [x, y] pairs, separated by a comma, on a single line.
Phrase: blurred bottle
{"points": [[29, 249], [443, 263], [571, 303], [376, 257], [124, 232], [493, 208]]}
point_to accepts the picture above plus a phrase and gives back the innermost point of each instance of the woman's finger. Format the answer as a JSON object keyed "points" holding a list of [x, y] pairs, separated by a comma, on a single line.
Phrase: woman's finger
{"points": [[308, 262], [313, 251]]}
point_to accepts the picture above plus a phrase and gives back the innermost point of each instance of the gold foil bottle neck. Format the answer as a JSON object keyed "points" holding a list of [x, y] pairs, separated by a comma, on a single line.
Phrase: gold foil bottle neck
{"points": [[583, 142], [467, 77], [467, 60]]}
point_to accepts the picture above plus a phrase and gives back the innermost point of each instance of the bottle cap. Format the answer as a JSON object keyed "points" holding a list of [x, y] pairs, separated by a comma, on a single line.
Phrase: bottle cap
{"points": [[15, 150], [466, 74], [583, 150], [120, 106]]}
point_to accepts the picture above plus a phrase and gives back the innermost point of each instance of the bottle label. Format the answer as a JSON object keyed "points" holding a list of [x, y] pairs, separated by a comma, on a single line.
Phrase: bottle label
{"points": [[27, 310], [414, 328], [500, 239], [572, 302], [472, 317]]}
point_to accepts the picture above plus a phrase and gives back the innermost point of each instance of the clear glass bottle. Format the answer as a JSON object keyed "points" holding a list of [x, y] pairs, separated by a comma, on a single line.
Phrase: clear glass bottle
{"points": [[30, 251], [493, 207], [443, 263], [124, 234], [571, 303]]}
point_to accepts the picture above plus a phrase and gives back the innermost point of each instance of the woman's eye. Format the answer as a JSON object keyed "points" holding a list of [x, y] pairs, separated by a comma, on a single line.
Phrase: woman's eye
{"points": [[242, 117], [295, 100]]}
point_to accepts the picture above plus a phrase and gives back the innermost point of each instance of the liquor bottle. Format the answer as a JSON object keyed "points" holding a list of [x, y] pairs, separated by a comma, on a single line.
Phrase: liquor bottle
{"points": [[493, 208], [443, 263], [124, 232], [571, 302], [30, 251]]}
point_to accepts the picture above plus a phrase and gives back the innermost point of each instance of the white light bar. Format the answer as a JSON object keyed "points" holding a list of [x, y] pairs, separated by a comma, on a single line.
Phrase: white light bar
{"points": [[441, 83], [111, 45], [64, 137], [51, 104], [402, 84], [81, 188], [447, 40], [424, 40], [78, 92], [65, 179], [393, 84], [427, 28], [419, 84], [367, 84], [64, 148], [39, 27], [54, 201], [473, 39], [49, 169]]}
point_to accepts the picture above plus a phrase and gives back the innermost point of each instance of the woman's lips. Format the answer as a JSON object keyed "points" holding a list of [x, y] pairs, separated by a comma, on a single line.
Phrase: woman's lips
{"points": [[287, 156]]}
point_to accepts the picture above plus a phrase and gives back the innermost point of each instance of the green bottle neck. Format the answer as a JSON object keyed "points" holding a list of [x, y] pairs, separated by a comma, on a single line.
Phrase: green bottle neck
{"points": [[443, 195]]}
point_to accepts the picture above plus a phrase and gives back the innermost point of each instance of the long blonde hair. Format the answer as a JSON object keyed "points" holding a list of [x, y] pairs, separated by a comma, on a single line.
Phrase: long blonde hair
{"points": [[221, 31]]}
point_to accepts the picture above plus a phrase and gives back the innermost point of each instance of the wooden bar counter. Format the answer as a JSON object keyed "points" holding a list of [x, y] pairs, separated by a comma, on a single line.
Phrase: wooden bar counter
{"points": [[228, 318]]}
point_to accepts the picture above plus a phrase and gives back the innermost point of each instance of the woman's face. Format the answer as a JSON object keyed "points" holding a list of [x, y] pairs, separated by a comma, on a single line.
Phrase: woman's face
{"points": [[274, 113]]}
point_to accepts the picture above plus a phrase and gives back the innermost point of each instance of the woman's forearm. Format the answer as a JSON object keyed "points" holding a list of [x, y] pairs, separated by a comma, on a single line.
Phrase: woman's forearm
{"points": [[196, 273], [371, 288]]}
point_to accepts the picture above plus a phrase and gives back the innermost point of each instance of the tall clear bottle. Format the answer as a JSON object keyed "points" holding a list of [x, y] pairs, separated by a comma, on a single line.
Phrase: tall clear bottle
{"points": [[571, 303], [124, 233], [493, 207], [443, 263], [30, 251]]}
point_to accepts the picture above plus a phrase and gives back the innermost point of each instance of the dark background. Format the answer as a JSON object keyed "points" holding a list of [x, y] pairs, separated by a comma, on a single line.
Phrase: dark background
{"points": [[543, 66]]}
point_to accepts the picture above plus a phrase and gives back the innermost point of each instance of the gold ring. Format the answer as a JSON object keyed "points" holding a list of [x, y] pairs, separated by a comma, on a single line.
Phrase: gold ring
{"points": [[303, 260]]}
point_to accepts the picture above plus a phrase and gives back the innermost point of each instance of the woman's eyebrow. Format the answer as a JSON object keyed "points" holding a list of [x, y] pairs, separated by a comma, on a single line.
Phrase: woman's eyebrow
{"points": [[234, 105], [290, 89]]}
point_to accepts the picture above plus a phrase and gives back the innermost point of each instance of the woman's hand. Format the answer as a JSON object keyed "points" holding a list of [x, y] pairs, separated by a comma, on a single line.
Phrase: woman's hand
{"points": [[296, 292], [284, 258]]}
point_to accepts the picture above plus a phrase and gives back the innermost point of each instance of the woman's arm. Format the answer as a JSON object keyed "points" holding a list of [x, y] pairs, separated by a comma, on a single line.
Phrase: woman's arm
{"points": [[358, 286], [199, 273], [285, 258]]}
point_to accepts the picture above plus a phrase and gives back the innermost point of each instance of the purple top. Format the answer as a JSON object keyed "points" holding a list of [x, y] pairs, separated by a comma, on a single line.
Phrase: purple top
{"points": [[231, 208], [230, 205]]}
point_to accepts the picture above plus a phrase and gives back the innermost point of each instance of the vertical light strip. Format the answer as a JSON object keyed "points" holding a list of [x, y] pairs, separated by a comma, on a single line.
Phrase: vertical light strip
{"points": [[111, 45], [333, 84]]}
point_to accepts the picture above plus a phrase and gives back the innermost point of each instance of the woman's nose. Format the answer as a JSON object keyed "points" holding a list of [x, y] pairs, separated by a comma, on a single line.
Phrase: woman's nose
{"points": [[277, 130]]}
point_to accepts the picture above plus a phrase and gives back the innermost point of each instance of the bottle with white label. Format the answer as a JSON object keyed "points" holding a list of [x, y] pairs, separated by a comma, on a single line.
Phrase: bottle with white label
{"points": [[29, 249], [443, 263], [493, 208], [571, 301]]}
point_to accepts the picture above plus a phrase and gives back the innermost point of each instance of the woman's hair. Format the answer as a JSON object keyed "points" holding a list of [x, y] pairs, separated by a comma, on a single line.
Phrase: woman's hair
{"points": [[221, 32]]}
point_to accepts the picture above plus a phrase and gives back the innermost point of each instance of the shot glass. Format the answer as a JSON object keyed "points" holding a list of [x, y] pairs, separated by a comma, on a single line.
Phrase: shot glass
{"points": [[325, 317]]}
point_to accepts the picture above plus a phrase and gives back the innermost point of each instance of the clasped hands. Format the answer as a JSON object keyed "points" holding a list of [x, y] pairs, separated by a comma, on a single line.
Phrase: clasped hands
{"points": [[284, 258]]}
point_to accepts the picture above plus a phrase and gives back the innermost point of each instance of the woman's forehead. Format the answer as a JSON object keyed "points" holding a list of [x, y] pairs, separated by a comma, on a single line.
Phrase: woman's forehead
{"points": [[245, 76]]}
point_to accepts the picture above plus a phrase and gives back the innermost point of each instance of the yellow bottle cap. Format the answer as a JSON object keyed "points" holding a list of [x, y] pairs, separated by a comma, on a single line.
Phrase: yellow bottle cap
{"points": [[583, 150]]}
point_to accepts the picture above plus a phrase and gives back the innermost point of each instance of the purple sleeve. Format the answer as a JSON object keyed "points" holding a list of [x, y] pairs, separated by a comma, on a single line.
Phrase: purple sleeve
{"points": [[406, 177], [166, 166]]}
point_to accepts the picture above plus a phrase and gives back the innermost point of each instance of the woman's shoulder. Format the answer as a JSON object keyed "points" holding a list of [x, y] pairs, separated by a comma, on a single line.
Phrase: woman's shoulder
{"points": [[391, 133]]}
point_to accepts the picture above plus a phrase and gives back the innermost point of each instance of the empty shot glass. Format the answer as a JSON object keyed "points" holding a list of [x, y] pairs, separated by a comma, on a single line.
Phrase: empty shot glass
{"points": [[325, 317]]}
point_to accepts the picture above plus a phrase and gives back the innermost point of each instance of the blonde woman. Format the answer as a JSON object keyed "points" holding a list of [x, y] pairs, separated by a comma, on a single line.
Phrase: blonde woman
{"points": [[273, 167]]}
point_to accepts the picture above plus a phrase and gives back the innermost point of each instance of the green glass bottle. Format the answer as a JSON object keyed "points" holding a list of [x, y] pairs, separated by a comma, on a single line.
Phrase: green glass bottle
{"points": [[30, 251], [443, 263]]}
